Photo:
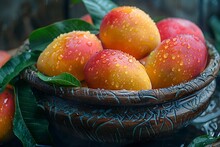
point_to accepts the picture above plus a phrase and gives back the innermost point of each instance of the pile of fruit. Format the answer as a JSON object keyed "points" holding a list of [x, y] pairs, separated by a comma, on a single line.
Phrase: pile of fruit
{"points": [[130, 52]]}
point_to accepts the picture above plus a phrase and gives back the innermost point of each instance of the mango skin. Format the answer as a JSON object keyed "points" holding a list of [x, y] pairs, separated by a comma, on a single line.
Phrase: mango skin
{"points": [[68, 53], [116, 70], [4, 57], [176, 60], [171, 27], [7, 110], [7, 106], [130, 30], [87, 18]]}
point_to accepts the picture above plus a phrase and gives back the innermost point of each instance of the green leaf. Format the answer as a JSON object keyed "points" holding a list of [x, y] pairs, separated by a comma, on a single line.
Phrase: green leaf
{"points": [[14, 66], [64, 79], [76, 1], [98, 9], [202, 141], [41, 38], [30, 124], [214, 24]]}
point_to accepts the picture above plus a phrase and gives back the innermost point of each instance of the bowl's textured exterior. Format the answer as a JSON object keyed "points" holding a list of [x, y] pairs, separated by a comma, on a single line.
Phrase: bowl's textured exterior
{"points": [[122, 115]]}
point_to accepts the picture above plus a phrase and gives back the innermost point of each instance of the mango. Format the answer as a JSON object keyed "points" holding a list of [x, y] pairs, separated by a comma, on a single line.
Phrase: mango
{"points": [[130, 30], [176, 60], [69, 53], [116, 70]]}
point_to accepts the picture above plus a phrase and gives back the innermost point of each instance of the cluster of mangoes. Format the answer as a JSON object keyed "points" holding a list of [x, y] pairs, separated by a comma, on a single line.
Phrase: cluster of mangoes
{"points": [[130, 52]]}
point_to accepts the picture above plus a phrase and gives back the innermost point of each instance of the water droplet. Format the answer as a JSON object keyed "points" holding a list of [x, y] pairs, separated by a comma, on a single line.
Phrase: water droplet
{"points": [[78, 41], [166, 47], [173, 69], [60, 57], [97, 61], [126, 72], [55, 45], [96, 72], [120, 57], [117, 65], [131, 29], [103, 56], [104, 61], [47, 53], [130, 60], [79, 53], [196, 38], [179, 69], [70, 52], [6, 100], [173, 57], [168, 40], [70, 68], [129, 40], [113, 53], [77, 58], [181, 63], [165, 55], [84, 36], [82, 60], [188, 46], [174, 39], [89, 44]]}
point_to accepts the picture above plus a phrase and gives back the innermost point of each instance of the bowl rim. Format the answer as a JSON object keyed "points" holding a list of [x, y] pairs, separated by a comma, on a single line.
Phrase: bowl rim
{"points": [[130, 97]]}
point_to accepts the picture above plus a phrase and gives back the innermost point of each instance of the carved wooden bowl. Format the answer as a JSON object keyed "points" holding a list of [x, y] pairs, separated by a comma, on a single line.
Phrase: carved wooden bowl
{"points": [[121, 115]]}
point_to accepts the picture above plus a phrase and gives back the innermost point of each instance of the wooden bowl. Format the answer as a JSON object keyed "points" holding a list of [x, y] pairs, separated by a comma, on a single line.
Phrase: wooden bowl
{"points": [[122, 115]]}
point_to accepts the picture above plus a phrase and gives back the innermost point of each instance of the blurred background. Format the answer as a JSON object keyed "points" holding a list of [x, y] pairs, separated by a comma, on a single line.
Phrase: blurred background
{"points": [[19, 18]]}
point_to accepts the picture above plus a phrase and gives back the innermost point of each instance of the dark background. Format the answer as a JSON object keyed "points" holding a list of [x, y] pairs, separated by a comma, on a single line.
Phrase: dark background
{"points": [[19, 17]]}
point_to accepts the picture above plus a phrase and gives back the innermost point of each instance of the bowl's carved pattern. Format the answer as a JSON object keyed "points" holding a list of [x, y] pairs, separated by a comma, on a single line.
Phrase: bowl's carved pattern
{"points": [[107, 124]]}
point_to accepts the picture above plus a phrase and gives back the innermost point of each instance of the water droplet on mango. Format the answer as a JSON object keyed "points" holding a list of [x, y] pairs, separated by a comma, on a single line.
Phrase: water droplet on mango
{"points": [[89, 43], [165, 55]]}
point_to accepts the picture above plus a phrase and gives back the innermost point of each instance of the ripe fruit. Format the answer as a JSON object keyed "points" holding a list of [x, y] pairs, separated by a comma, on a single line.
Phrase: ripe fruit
{"points": [[172, 27], [7, 108], [176, 60], [113, 69], [130, 30], [68, 53], [4, 57], [87, 18]]}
